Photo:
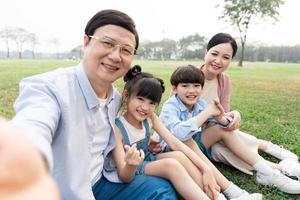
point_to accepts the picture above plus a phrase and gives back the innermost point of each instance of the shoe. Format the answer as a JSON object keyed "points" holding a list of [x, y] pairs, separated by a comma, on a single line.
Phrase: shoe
{"points": [[221, 197], [280, 181], [280, 152], [253, 196], [290, 168]]}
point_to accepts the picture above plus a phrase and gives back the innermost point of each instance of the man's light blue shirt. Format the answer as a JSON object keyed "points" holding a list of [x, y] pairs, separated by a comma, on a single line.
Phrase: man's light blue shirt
{"points": [[59, 112], [179, 120]]}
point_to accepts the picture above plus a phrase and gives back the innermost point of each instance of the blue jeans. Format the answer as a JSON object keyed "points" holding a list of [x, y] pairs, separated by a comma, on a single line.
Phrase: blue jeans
{"points": [[142, 187]]}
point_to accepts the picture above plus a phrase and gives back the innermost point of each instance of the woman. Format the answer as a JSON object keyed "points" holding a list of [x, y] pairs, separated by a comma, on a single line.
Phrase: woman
{"points": [[219, 53]]}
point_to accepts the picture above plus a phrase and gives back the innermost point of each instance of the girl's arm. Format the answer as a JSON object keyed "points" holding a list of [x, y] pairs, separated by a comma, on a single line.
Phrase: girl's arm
{"points": [[209, 181], [176, 144], [126, 162]]}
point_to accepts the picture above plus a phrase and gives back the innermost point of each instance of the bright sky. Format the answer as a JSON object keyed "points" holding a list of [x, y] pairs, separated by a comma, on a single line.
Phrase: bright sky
{"points": [[155, 19]]}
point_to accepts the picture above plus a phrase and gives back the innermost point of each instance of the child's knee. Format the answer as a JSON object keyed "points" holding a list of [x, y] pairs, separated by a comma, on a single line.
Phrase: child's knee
{"points": [[171, 164], [178, 155]]}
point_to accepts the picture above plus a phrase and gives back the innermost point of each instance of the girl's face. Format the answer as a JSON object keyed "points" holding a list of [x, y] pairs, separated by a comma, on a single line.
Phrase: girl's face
{"points": [[189, 93], [218, 58], [139, 108]]}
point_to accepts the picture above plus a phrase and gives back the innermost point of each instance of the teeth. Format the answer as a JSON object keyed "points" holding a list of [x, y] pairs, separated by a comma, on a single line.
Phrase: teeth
{"points": [[110, 67]]}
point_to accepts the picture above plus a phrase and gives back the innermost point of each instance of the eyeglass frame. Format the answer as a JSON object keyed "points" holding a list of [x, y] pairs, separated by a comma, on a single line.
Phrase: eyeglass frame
{"points": [[114, 45]]}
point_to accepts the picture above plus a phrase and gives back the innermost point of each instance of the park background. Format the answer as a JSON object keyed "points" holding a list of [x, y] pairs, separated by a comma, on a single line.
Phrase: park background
{"points": [[173, 33]]}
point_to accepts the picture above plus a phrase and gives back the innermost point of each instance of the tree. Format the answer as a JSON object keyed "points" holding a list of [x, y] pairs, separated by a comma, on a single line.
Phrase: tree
{"points": [[241, 13], [33, 41], [192, 46], [7, 34], [20, 37], [55, 42]]}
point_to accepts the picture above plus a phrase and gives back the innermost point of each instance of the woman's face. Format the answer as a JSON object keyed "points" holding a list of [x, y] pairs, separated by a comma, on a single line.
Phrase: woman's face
{"points": [[218, 58]]}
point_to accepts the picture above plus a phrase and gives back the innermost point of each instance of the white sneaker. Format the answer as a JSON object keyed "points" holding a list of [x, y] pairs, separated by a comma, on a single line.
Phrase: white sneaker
{"points": [[290, 168], [280, 152], [253, 196], [221, 197], [280, 181]]}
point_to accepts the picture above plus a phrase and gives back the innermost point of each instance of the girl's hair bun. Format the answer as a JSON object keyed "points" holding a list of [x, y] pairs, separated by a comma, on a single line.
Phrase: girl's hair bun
{"points": [[132, 73]]}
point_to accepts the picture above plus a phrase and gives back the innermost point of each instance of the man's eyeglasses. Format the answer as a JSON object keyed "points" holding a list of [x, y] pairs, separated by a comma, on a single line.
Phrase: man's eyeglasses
{"points": [[110, 44]]}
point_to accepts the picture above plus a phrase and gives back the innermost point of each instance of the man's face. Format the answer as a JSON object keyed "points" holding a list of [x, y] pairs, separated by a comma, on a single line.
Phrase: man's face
{"points": [[105, 55]]}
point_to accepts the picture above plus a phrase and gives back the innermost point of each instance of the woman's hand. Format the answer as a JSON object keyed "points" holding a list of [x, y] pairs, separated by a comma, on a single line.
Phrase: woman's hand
{"points": [[210, 186], [236, 122], [133, 156]]}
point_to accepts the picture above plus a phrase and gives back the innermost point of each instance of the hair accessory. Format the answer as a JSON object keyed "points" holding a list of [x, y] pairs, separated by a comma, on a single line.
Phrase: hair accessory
{"points": [[132, 73], [136, 70]]}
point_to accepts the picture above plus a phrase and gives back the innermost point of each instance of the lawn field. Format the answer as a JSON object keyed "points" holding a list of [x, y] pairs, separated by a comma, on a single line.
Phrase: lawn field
{"points": [[268, 94]]}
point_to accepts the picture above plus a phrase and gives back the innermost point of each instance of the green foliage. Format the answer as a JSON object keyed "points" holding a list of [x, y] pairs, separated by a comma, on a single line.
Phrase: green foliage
{"points": [[241, 13], [268, 94]]}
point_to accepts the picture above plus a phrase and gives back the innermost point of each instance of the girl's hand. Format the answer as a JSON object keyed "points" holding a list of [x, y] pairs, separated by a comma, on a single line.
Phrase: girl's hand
{"points": [[153, 117], [154, 146], [215, 109], [236, 123], [133, 156], [210, 186]]}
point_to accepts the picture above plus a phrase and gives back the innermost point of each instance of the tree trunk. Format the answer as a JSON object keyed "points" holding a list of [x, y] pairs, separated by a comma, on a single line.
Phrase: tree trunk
{"points": [[20, 55], [7, 53], [240, 64]]}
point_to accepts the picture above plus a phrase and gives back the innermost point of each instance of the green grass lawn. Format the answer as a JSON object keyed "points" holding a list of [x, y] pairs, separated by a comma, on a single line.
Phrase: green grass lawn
{"points": [[268, 94]]}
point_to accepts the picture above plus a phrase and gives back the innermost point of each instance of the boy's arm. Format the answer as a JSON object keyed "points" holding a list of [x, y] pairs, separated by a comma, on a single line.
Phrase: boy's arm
{"points": [[170, 117], [126, 162]]}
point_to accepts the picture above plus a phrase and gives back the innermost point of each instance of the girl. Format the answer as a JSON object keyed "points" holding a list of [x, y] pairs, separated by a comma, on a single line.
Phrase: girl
{"points": [[187, 172]]}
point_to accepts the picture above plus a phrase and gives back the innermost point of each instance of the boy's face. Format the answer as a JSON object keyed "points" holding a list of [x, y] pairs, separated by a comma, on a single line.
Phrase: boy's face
{"points": [[189, 93]]}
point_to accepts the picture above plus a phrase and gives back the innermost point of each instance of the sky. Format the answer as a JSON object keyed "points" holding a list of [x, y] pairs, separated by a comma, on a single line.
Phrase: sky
{"points": [[155, 20]]}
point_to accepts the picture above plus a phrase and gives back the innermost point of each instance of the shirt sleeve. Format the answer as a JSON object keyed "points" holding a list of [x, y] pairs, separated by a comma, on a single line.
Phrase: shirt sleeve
{"points": [[183, 130], [225, 93], [37, 114]]}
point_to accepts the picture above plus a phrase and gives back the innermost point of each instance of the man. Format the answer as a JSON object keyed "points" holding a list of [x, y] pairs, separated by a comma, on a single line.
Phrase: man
{"points": [[69, 113]]}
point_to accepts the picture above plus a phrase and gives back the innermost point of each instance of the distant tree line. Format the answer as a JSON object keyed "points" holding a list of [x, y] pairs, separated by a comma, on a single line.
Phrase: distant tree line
{"points": [[21, 38], [193, 47], [187, 48]]}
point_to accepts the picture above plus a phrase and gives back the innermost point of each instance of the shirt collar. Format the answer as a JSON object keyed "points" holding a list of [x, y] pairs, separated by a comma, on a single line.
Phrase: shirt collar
{"points": [[87, 90], [198, 107]]}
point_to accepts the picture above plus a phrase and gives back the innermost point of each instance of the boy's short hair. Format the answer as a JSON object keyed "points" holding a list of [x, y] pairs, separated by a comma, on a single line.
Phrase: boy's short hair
{"points": [[187, 74]]}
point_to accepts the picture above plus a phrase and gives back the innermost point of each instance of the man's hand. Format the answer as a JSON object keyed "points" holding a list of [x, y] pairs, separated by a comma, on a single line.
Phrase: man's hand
{"points": [[23, 173]]}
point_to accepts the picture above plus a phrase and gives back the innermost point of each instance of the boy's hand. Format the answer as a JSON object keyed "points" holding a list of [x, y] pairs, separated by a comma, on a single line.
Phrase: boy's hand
{"points": [[215, 109], [133, 156], [210, 186]]}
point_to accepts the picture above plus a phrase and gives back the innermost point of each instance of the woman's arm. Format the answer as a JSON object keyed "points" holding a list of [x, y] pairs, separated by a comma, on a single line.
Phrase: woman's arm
{"points": [[126, 162]]}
